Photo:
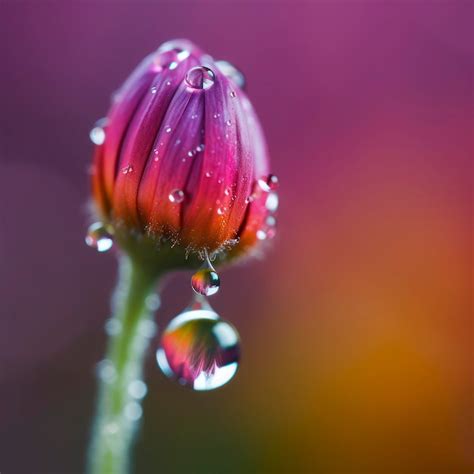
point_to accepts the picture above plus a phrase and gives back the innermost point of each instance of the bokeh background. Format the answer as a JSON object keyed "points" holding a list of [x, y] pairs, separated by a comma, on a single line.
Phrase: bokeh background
{"points": [[357, 329]]}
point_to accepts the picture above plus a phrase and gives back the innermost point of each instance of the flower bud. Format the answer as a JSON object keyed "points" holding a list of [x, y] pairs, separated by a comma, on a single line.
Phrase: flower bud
{"points": [[182, 155]]}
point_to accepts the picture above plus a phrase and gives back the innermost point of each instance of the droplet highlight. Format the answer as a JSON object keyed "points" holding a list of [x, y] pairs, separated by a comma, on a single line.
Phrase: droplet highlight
{"points": [[97, 134], [99, 238], [199, 350], [200, 77]]}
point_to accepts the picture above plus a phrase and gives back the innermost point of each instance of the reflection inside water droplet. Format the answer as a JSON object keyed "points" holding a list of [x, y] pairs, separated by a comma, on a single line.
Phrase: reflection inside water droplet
{"points": [[200, 77], [98, 238], [176, 196], [199, 350], [206, 281]]}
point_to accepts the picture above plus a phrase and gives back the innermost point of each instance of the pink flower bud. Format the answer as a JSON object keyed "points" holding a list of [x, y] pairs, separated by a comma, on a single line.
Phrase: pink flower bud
{"points": [[182, 155]]}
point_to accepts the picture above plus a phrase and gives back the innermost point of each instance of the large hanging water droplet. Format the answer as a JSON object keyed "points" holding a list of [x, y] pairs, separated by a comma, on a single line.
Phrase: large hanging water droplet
{"points": [[98, 238], [230, 71], [200, 77], [268, 183], [206, 281], [97, 134], [199, 350]]}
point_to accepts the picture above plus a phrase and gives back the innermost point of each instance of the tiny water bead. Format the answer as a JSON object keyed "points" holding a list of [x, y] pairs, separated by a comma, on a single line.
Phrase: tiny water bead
{"points": [[127, 169], [176, 196], [200, 77], [98, 238], [206, 281], [268, 183], [199, 350]]}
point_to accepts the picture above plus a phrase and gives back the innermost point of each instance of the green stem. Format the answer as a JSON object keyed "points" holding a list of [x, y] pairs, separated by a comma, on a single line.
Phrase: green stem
{"points": [[119, 405]]}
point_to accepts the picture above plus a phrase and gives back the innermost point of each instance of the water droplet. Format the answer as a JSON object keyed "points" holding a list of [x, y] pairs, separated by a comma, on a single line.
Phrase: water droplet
{"points": [[127, 169], [272, 202], [230, 71], [113, 326], [261, 234], [98, 238], [221, 211], [97, 134], [153, 89], [176, 196], [233, 94], [206, 281], [270, 221], [199, 350], [106, 371], [153, 301], [227, 191], [249, 199], [148, 328], [268, 183], [228, 123], [168, 129], [191, 153], [208, 174], [216, 115], [137, 389], [168, 83], [133, 411], [200, 77]]}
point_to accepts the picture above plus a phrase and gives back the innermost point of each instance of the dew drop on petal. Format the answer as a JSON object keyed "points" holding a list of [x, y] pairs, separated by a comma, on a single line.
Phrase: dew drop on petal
{"points": [[228, 123], [168, 129], [199, 350], [232, 94], [127, 169], [200, 77], [153, 89], [261, 234], [98, 238], [268, 183], [176, 196], [272, 202], [208, 174]]}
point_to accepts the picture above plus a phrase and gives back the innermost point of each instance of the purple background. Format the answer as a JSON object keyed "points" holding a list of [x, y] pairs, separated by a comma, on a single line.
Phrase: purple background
{"points": [[357, 329]]}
